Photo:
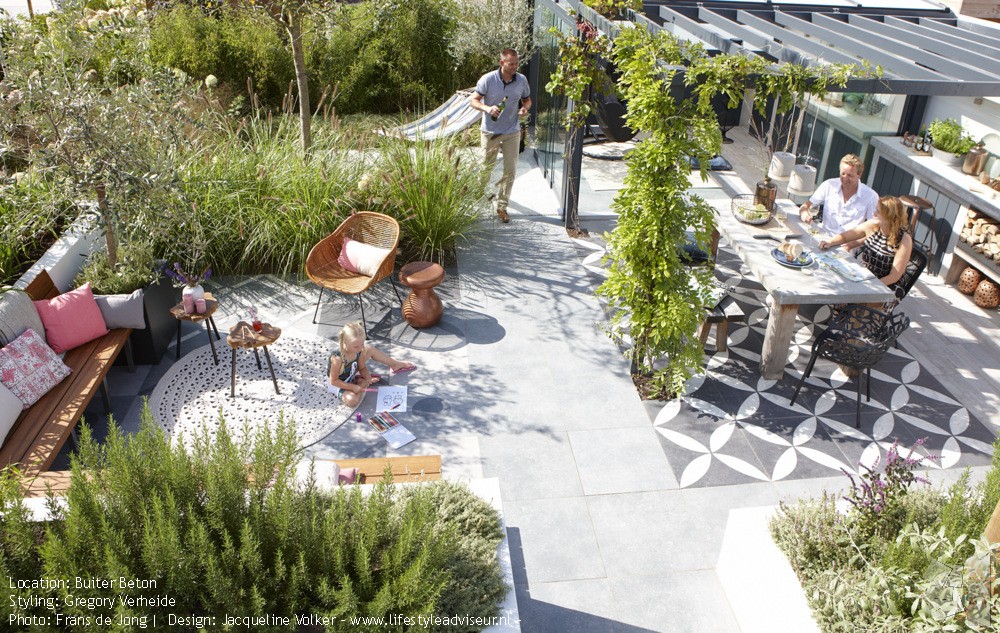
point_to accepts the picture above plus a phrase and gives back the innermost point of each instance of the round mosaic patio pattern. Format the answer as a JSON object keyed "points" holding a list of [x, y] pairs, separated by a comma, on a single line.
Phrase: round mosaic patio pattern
{"points": [[733, 426], [195, 391]]}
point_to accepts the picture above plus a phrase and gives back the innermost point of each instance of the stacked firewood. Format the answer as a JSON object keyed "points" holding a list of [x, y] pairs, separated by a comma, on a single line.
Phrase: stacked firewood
{"points": [[982, 233]]}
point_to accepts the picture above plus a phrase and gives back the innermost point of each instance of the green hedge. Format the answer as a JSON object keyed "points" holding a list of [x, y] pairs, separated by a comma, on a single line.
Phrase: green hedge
{"points": [[385, 56]]}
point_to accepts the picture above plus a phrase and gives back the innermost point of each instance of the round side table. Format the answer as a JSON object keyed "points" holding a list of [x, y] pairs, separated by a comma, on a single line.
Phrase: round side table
{"points": [[242, 336], [211, 305], [422, 307]]}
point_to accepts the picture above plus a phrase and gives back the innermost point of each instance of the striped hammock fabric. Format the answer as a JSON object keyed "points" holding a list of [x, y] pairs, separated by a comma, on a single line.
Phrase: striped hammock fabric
{"points": [[451, 117]]}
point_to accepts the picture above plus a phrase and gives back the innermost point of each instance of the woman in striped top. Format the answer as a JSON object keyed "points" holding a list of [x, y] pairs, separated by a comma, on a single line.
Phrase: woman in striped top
{"points": [[887, 246]]}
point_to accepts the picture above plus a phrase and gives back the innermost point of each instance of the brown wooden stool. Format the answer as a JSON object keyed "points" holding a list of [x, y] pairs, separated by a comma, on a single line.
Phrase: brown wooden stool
{"points": [[422, 307], [211, 305], [915, 205], [243, 336]]}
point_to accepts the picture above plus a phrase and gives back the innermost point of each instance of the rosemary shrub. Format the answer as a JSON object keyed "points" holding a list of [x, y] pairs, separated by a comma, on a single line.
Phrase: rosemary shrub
{"points": [[226, 529]]}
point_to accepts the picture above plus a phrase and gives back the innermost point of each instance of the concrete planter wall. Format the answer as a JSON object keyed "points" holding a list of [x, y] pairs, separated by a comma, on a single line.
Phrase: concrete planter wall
{"points": [[65, 258]]}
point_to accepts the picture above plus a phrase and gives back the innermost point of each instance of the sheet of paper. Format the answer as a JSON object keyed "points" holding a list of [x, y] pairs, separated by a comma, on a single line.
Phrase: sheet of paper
{"points": [[398, 436], [392, 399]]}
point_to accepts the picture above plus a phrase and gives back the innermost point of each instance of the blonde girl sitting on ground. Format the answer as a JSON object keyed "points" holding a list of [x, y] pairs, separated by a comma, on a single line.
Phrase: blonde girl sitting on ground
{"points": [[348, 366]]}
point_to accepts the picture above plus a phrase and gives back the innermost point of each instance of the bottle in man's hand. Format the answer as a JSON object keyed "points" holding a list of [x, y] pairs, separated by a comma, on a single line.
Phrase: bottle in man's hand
{"points": [[500, 107]]}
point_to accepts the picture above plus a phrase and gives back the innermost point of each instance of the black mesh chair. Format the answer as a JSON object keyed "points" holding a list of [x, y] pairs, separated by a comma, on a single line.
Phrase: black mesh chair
{"points": [[857, 337], [916, 265]]}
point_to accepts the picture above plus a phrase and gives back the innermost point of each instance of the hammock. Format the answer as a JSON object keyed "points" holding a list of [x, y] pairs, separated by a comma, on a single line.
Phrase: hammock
{"points": [[451, 117]]}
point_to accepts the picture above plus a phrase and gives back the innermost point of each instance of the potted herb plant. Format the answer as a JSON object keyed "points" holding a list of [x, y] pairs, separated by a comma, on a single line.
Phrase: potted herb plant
{"points": [[950, 141], [137, 269]]}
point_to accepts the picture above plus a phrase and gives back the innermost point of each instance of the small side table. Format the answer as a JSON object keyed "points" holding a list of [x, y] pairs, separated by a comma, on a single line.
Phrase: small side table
{"points": [[422, 307], [242, 336], [211, 305]]}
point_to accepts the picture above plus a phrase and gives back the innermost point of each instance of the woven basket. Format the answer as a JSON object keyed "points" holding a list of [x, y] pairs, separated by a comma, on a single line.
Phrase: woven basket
{"points": [[987, 294], [969, 280], [746, 210]]}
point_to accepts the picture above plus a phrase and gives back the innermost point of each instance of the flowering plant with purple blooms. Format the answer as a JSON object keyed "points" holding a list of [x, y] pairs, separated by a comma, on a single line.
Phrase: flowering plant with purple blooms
{"points": [[876, 495], [182, 278]]}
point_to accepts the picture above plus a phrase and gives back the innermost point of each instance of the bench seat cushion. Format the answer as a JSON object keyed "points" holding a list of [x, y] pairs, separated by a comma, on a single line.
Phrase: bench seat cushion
{"points": [[29, 368]]}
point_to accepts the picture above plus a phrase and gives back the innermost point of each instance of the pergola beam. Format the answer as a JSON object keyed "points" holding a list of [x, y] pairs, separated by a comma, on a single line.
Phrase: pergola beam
{"points": [[942, 33], [915, 45], [709, 37], [846, 37], [809, 52], [962, 35]]}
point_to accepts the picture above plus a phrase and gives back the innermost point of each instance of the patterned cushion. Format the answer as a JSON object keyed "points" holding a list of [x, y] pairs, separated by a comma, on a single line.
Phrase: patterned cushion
{"points": [[71, 319], [29, 368], [361, 258], [17, 314]]}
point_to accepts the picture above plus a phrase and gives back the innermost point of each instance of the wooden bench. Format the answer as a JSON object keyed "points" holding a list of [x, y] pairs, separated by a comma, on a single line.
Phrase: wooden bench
{"points": [[370, 470], [404, 469], [41, 430], [728, 311]]}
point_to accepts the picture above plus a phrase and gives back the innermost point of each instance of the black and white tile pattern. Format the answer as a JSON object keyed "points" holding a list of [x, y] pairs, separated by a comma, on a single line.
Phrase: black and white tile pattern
{"points": [[732, 426]]}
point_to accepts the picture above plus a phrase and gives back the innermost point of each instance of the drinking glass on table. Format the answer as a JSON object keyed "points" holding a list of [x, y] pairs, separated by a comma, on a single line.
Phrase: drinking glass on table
{"points": [[781, 215]]}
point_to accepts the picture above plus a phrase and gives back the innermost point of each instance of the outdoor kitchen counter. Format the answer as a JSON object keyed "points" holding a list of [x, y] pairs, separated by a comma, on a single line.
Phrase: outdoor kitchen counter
{"points": [[950, 181]]}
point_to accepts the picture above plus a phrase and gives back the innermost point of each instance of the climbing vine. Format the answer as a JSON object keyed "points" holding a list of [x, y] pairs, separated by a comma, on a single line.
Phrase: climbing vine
{"points": [[656, 300]]}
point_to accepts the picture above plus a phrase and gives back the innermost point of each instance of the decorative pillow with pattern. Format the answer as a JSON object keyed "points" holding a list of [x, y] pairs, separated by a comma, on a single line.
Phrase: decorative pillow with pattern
{"points": [[29, 368]]}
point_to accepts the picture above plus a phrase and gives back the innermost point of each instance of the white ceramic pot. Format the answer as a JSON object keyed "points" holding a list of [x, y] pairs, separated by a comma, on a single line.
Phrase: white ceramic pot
{"points": [[781, 164], [952, 160], [802, 180]]}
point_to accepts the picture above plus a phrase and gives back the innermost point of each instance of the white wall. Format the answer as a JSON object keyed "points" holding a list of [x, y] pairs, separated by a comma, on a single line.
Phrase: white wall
{"points": [[979, 119]]}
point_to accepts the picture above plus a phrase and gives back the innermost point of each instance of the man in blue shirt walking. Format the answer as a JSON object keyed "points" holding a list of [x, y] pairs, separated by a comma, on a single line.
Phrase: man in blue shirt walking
{"points": [[502, 95]]}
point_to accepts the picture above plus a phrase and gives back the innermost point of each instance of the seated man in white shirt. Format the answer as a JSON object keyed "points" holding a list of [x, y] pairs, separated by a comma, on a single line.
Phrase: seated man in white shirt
{"points": [[847, 202]]}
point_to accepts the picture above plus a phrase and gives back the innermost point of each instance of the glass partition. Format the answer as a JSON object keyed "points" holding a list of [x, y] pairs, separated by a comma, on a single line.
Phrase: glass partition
{"points": [[550, 134]]}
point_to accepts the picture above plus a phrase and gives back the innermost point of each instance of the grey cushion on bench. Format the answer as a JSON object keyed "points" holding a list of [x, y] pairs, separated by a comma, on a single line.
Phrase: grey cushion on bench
{"points": [[122, 310], [10, 408], [17, 314]]}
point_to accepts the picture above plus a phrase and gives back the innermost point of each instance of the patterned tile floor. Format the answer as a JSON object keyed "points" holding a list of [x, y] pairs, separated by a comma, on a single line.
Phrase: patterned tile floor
{"points": [[732, 426]]}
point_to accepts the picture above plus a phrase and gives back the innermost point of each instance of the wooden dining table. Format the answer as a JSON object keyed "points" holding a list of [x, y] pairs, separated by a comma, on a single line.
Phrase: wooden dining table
{"points": [[790, 288]]}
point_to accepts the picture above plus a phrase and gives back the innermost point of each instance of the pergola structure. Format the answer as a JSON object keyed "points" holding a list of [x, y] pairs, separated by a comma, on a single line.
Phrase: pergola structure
{"points": [[922, 47]]}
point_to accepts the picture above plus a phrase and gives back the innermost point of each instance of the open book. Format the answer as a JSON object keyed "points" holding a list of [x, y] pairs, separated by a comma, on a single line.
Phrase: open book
{"points": [[391, 430]]}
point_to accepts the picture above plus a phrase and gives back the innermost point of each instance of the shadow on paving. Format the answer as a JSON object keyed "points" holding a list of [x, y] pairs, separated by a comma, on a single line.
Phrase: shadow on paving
{"points": [[732, 426]]}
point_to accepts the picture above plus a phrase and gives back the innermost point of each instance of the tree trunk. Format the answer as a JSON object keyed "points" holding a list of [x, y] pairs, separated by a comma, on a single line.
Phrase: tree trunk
{"points": [[294, 28], [109, 228]]}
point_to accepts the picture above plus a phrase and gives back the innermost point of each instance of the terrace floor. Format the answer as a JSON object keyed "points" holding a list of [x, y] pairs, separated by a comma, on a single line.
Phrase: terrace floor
{"points": [[616, 509]]}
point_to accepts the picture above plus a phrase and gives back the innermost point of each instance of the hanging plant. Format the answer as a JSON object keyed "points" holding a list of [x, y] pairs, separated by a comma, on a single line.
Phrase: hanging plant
{"points": [[657, 301]]}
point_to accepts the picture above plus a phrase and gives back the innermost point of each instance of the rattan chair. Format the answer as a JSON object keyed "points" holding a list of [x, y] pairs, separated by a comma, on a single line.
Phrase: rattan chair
{"points": [[858, 336], [374, 229]]}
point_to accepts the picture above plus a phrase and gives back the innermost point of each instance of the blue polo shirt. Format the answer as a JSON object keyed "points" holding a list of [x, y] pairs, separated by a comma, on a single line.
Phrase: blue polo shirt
{"points": [[493, 89]]}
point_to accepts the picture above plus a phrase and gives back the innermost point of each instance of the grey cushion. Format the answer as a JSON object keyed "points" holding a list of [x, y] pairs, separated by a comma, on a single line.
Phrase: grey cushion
{"points": [[122, 310], [10, 409], [17, 314]]}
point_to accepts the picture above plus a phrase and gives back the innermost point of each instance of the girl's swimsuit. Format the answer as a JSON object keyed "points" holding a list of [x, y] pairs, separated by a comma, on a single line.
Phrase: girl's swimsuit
{"points": [[348, 371]]}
